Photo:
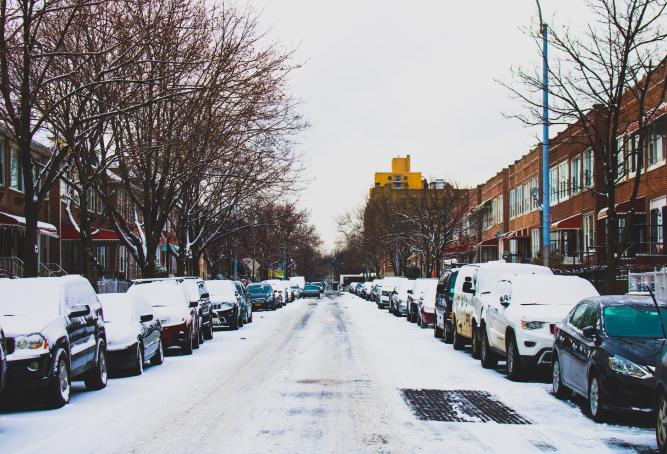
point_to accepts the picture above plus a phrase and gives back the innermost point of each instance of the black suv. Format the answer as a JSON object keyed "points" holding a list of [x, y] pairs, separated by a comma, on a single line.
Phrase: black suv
{"points": [[54, 334], [444, 297]]}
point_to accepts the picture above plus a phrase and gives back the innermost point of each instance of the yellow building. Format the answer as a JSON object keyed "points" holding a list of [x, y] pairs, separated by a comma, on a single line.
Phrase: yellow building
{"points": [[400, 176]]}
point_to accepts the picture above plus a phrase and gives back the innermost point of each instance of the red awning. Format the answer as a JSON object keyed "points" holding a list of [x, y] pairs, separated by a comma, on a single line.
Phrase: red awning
{"points": [[491, 242], [19, 221], [570, 223], [459, 249], [520, 233], [68, 232], [624, 208]]}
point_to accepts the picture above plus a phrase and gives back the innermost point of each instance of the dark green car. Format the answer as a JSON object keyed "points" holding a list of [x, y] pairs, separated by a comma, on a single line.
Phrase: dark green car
{"points": [[261, 297], [311, 290]]}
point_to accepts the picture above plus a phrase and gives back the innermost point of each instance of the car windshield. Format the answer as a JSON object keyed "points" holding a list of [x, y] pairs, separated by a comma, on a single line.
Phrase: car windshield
{"points": [[119, 309], [258, 288], [311, 287], [634, 320], [221, 289], [27, 297], [160, 294]]}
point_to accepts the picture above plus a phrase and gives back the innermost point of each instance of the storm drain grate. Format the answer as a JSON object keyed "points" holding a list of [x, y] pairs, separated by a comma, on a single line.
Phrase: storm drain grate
{"points": [[459, 406]]}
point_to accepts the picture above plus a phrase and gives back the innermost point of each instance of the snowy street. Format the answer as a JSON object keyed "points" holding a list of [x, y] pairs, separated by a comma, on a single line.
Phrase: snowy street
{"points": [[320, 375]]}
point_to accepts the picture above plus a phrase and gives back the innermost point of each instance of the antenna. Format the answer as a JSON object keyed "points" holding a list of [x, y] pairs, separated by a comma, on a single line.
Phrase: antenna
{"points": [[657, 308]]}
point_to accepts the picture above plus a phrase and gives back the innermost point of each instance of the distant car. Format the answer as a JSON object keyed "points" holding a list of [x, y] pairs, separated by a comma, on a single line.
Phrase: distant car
{"points": [[398, 304], [3, 360], [606, 350], [519, 316], [261, 297], [311, 291], [424, 295], [414, 294], [366, 290], [280, 287], [226, 304], [442, 326], [53, 336], [297, 291], [176, 313], [134, 333], [246, 307]]}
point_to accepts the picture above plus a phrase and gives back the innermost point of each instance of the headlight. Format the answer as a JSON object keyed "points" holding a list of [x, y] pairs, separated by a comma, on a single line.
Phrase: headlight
{"points": [[531, 325], [626, 367], [31, 342]]}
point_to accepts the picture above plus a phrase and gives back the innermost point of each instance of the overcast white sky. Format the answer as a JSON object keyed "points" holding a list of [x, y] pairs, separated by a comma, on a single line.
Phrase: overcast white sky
{"points": [[384, 78]]}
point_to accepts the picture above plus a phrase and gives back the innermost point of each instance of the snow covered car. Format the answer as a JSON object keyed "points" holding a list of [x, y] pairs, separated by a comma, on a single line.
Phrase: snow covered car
{"points": [[473, 283], [177, 315], [398, 303], [278, 286], [226, 304], [195, 290], [376, 290], [261, 297], [246, 307], [298, 281], [366, 290], [3, 360], [424, 296], [54, 336], [519, 316], [311, 291], [134, 333], [388, 286], [413, 298], [444, 298]]}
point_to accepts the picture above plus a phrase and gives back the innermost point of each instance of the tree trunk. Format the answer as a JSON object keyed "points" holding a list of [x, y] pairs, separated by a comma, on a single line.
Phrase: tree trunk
{"points": [[611, 255]]}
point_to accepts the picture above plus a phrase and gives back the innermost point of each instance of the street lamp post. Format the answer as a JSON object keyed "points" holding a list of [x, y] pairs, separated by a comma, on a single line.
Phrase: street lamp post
{"points": [[546, 214]]}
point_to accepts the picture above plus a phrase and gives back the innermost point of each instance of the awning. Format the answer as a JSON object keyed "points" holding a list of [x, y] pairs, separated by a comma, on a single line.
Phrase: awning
{"points": [[19, 221], [483, 204], [569, 223], [520, 233], [491, 242], [459, 249], [624, 208], [68, 232], [659, 112]]}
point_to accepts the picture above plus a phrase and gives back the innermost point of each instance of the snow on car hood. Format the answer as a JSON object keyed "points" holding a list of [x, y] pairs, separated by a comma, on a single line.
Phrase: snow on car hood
{"points": [[550, 313], [121, 334], [168, 314], [16, 325]]}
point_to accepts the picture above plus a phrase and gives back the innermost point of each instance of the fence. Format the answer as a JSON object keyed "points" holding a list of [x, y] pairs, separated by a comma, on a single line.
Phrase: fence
{"points": [[655, 280], [112, 286]]}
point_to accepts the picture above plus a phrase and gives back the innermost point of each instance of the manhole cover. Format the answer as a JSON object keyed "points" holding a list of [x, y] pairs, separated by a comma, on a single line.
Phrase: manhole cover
{"points": [[459, 406]]}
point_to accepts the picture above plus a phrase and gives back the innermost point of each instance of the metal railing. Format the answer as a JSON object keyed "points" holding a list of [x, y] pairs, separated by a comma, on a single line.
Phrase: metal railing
{"points": [[11, 267], [51, 270], [112, 286]]}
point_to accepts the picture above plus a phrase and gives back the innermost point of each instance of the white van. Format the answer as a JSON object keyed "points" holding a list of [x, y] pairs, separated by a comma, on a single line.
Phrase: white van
{"points": [[474, 282], [299, 281], [519, 316]]}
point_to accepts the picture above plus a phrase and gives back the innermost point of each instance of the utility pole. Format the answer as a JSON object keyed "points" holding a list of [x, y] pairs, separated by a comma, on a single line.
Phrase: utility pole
{"points": [[546, 202]]}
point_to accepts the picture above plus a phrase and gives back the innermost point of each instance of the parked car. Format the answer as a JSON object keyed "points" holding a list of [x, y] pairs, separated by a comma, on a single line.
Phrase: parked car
{"points": [[444, 298], [279, 286], [366, 290], [226, 304], [261, 297], [297, 291], [246, 307], [177, 315], [298, 281], [134, 333], [424, 295], [311, 291], [376, 290], [3, 360], [660, 401], [606, 350], [388, 286], [53, 335], [519, 316], [398, 303], [474, 282], [420, 285]]}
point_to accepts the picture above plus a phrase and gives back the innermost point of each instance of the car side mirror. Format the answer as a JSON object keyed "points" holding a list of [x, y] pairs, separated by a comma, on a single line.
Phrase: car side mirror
{"points": [[146, 318], [194, 303], [468, 288], [590, 332], [410, 292], [79, 311]]}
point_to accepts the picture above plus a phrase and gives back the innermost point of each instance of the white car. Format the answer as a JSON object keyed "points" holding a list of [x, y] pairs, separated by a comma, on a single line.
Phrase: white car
{"points": [[388, 286], [421, 302], [398, 304], [519, 317], [472, 284], [278, 291]]}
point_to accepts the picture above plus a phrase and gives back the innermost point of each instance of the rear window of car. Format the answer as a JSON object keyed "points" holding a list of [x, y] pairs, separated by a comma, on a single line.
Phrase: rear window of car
{"points": [[637, 320], [259, 289]]}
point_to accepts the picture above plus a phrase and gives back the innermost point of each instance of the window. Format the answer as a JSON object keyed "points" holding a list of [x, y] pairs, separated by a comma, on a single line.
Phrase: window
{"points": [[553, 185], [575, 168], [535, 242], [526, 197], [620, 157], [563, 181], [512, 207], [389, 177], [2, 162], [121, 259], [101, 257], [534, 187], [577, 315], [655, 150], [519, 200], [494, 212], [499, 219], [589, 232], [588, 168], [16, 175], [656, 226]]}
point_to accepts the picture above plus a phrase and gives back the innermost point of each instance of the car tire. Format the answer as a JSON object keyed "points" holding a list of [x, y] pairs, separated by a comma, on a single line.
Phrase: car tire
{"points": [[595, 409], [457, 341], [208, 331], [138, 367], [187, 347], [250, 319], [514, 366], [437, 332], [200, 331], [661, 422], [240, 320], [487, 358], [158, 356], [236, 323], [447, 334], [58, 391], [475, 342], [559, 389], [96, 379], [195, 339]]}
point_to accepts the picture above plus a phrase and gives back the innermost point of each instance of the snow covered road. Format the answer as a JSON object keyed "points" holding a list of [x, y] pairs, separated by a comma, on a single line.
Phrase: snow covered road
{"points": [[317, 376]]}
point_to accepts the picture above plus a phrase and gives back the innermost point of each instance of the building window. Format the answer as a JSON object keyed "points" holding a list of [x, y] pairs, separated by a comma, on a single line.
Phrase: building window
{"points": [[535, 242], [526, 197], [389, 177], [620, 157], [589, 232], [15, 173], [656, 226], [121, 259], [512, 207], [563, 181], [553, 185], [534, 187], [499, 219], [588, 168], [102, 257], [575, 167], [519, 200], [655, 151]]}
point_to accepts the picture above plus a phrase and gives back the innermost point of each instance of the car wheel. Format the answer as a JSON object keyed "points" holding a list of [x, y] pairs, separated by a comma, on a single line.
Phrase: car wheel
{"points": [[158, 356], [486, 356], [201, 334], [594, 405], [240, 320], [457, 341], [138, 367], [661, 423], [514, 369], [447, 334], [187, 347], [250, 319], [560, 390], [97, 378], [208, 331], [195, 339], [475, 341], [235, 323], [437, 332], [59, 390]]}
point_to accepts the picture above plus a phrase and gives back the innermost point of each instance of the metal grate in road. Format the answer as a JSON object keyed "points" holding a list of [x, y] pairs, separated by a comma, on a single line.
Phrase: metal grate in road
{"points": [[459, 406]]}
